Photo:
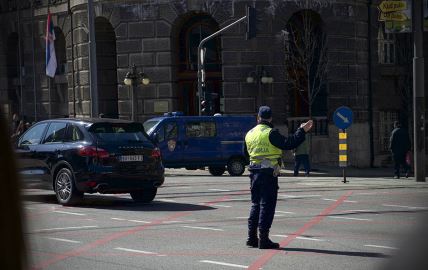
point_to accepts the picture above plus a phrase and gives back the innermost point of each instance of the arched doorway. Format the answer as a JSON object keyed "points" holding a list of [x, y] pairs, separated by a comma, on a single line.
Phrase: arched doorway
{"points": [[59, 92], [105, 38], [306, 65], [195, 28], [12, 71]]}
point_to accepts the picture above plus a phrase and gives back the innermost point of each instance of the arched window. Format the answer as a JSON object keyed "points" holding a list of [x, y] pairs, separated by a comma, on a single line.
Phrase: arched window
{"points": [[195, 28], [105, 38], [306, 65]]}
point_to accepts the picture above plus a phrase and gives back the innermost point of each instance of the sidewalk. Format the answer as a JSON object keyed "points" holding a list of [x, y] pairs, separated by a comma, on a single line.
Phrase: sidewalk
{"points": [[317, 171]]}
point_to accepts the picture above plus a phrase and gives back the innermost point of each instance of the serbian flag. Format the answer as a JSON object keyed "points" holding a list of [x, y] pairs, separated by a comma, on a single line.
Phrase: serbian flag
{"points": [[50, 48]]}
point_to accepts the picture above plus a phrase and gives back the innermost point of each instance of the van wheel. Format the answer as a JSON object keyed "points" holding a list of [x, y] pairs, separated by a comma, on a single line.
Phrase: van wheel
{"points": [[236, 167], [65, 189], [216, 171], [145, 195]]}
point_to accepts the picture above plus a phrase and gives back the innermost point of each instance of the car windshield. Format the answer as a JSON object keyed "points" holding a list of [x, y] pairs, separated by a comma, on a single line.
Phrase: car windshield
{"points": [[149, 125], [119, 132]]}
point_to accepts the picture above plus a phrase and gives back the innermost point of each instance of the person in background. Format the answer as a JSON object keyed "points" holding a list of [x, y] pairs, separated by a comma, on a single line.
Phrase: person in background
{"points": [[15, 123], [264, 146], [301, 156], [399, 144]]}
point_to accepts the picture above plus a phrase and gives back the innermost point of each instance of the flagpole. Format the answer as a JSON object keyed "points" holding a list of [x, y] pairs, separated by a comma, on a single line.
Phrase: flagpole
{"points": [[34, 61], [50, 97]]}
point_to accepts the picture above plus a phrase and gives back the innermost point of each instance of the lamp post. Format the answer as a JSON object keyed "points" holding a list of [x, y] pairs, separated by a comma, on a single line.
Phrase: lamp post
{"points": [[259, 76], [133, 79]]}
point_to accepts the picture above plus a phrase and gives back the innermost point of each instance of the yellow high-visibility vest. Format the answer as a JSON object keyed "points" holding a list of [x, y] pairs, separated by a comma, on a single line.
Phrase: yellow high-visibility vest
{"points": [[261, 151]]}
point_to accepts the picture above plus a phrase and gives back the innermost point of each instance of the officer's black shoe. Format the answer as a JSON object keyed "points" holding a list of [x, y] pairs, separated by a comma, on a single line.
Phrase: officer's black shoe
{"points": [[252, 240], [266, 243]]}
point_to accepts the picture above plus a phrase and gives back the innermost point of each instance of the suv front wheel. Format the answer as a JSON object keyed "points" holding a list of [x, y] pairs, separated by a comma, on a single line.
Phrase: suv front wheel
{"points": [[145, 195], [65, 189]]}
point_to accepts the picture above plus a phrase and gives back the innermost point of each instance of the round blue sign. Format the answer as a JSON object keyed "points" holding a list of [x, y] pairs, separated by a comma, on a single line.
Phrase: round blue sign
{"points": [[342, 117]]}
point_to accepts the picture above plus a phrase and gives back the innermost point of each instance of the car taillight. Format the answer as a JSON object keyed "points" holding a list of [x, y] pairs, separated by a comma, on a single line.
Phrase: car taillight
{"points": [[91, 151], [156, 153]]}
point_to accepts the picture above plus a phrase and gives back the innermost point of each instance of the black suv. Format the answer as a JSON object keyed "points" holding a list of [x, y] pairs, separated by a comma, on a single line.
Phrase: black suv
{"points": [[77, 156]]}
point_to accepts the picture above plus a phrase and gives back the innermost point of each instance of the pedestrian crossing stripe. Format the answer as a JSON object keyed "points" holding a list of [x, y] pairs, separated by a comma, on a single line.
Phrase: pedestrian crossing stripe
{"points": [[343, 158], [343, 146], [342, 135]]}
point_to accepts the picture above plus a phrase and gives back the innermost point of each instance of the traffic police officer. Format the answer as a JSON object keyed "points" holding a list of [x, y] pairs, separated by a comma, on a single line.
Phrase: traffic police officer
{"points": [[264, 146]]}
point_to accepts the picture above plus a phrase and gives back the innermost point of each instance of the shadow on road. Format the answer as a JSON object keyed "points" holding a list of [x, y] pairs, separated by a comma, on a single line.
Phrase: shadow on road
{"points": [[337, 252], [118, 203]]}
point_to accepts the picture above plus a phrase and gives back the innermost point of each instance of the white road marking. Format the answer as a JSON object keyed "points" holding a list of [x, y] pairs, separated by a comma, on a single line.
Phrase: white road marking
{"points": [[334, 200], [404, 206], [178, 221], [120, 219], [350, 218], [69, 213], [65, 228], [63, 240], [221, 205], [351, 211], [139, 251], [284, 212], [202, 228], [217, 189], [386, 247], [225, 264], [300, 237], [138, 221], [279, 215], [165, 200]]}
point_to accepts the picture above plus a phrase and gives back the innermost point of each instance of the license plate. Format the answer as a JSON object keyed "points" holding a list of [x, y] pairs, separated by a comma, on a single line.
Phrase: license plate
{"points": [[131, 158]]}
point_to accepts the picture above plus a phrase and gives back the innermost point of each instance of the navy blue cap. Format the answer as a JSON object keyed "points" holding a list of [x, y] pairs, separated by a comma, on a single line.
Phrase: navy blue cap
{"points": [[265, 112]]}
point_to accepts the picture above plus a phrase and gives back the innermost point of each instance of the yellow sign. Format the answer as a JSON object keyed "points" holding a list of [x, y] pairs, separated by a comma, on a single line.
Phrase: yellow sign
{"points": [[342, 135], [392, 16], [391, 6], [343, 158], [343, 146]]}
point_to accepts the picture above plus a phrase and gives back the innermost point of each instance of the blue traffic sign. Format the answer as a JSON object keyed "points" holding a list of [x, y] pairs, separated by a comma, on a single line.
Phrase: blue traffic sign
{"points": [[342, 117]]}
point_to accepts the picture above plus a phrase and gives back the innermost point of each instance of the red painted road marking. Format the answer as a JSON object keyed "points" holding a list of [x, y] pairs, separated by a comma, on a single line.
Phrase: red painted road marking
{"points": [[269, 254], [114, 236]]}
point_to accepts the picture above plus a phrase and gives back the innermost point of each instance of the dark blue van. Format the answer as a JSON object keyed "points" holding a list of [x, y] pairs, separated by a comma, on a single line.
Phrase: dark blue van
{"points": [[194, 142]]}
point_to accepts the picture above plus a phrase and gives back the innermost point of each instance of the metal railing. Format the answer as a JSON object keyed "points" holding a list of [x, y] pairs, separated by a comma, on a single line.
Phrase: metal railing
{"points": [[320, 127]]}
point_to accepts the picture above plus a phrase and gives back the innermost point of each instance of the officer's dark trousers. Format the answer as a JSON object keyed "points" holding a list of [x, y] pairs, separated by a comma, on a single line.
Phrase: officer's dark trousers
{"points": [[264, 193]]}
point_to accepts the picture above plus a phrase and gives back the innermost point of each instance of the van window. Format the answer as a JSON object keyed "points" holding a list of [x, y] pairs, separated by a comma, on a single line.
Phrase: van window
{"points": [[201, 129], [169, 131]]}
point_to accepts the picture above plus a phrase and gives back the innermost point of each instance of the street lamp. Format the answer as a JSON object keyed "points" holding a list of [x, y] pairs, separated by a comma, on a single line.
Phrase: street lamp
{"points": [[133, 79], [259, 76]]}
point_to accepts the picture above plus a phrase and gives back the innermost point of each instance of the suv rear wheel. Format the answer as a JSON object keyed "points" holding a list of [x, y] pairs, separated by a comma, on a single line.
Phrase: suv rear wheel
{"points": [[216, 171], [65, 189], [236, 167], [145, 195]]}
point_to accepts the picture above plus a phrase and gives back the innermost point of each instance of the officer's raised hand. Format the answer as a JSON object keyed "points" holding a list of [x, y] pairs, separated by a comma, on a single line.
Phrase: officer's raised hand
{"points": [[307, 126]]}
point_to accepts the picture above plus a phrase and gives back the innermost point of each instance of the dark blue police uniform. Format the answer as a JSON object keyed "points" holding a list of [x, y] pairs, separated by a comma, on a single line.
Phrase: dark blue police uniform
{"points": [[264, 186]]}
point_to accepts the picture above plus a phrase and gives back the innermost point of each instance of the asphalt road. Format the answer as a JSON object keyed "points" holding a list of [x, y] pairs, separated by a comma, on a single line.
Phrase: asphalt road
{"points": [[198, 221]]}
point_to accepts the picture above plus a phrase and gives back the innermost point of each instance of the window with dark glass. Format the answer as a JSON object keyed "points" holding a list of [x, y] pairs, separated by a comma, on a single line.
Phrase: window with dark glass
{"points": [[56, 133], [33, 135]]}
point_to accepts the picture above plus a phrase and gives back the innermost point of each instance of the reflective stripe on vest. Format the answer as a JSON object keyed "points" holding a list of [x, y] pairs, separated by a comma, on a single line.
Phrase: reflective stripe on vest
{"points": [[260, 149]]}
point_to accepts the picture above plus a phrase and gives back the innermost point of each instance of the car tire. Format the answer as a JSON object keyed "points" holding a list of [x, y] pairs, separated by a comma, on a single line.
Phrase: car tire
{"points": [[236, 167], [217, 171], [145, 195], [65, 188]]}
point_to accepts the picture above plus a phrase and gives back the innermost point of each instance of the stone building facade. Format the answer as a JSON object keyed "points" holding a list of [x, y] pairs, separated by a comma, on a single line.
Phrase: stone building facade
{"points": [[160, 37]]}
